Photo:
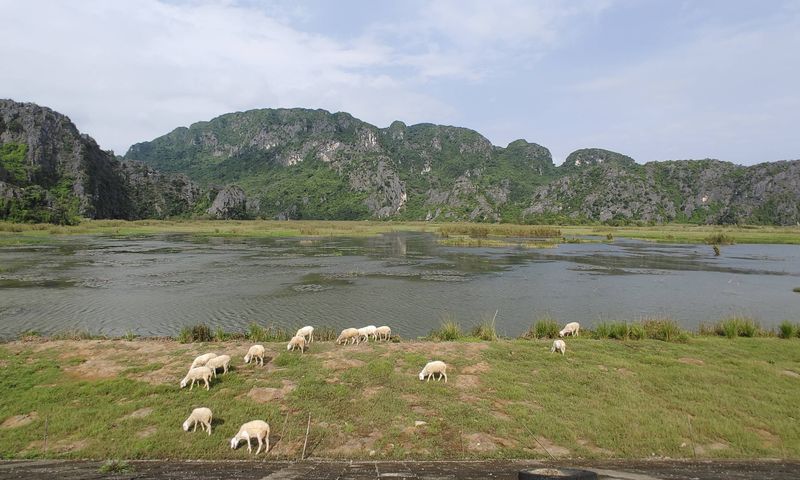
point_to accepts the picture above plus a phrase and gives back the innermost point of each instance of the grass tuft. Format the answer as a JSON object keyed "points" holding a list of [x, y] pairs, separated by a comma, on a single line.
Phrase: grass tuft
{"points": [[545, 327], [486, 330], [116, 466], [449, 330], [788, 329], [738, 327], [719, 238], [664, 329]]}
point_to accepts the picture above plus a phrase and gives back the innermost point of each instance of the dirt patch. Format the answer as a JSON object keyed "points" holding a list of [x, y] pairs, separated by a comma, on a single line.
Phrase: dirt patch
{"points": [[467, 381], [481, 367], [768, 439], [61, 446], [354, 445], [691, 361], [463, 350], [370, 392], [19, 420], [555, 450], [790, 373], [589, 445], [164, 375], [603, 368], [483, 442], [96, 369], [710, 447], [342, 363], [624, 371], [266, 395], [147, 432], [141, 413]]}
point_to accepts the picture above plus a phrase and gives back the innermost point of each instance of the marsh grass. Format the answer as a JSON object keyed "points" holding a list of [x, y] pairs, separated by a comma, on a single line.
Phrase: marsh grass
{"points": [[486, 330], [115, 466], [483, 230], [664, 329], [788, 329], [545, 327], [737, 326], [448, 331], [271, 333]]}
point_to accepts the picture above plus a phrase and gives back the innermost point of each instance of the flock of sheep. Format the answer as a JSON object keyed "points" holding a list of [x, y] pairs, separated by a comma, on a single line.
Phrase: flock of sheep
{"points": [[205, 367]]}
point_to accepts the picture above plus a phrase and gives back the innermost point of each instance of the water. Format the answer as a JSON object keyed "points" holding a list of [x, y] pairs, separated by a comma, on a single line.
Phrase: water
{"points": [[155, 285]]}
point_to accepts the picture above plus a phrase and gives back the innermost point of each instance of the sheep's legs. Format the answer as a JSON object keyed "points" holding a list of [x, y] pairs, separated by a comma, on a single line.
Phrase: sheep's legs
{"points": [[445, 377], [207, 386], [247, 437], [259, 444]]}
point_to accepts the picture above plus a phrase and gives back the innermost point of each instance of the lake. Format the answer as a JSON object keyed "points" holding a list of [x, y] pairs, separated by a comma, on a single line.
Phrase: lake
{"points": [[154, 285]]}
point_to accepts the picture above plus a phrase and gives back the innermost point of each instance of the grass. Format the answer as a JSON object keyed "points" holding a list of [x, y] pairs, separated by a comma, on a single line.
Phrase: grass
{"points": [[628, 400], [735, 326], [486, 330], [796, 289], [23, 233], [115, 466], [788, 329], [545, 327], [448, 331]]}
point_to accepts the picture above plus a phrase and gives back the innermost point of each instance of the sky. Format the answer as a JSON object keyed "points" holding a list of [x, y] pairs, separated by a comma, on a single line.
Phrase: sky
{"points": [[653, 79]]}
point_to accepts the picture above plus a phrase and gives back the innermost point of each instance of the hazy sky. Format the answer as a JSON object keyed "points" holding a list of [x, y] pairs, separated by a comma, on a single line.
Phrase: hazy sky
{"points": [[654, 79]]}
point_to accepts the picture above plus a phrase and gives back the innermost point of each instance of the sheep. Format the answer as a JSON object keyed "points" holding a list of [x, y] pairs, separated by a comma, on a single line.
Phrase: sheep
{"points": [[297, 341], [558, 346], [219, 361], [195, 375], [436, 366], [383, 332], [370, 329], [256, 353], [258, 429], [362, 332], [570, 329], [199, 415], [347, 335], [306, 332], [202, 360]]}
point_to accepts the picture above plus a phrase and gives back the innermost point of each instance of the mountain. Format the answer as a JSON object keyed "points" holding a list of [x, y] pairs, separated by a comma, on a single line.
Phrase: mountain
{"points": [[299, 163], [312, 164], [50, 172]]}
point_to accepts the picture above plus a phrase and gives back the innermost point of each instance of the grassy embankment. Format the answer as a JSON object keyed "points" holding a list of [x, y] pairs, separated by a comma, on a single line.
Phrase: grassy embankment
{"points": [[467, 234], [710, 397]]}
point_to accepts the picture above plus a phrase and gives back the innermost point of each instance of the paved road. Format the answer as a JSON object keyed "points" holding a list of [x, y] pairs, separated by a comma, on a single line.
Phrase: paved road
{"points": [[328, 470]]}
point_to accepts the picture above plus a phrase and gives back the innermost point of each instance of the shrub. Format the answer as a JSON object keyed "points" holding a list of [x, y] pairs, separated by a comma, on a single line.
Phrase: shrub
{"points": [[719, 238], [637, 332], [738, 327], [195, 333], [666, 330], [485, 330], [544, 327], [788, 330], [448, 330], [602, 330]]}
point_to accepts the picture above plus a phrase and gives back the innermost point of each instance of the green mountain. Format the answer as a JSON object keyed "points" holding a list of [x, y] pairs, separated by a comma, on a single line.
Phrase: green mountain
{"points": [[298, 163], [312, 164], [50, 172]]}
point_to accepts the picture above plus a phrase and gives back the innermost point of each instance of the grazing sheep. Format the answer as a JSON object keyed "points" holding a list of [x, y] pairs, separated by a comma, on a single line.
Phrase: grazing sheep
{"points": [[199, 415], [202, 360], [298, 341], [370, 329], [258, 429], [436, 366], [195, 375], [558, 346], [347, 335], [223, 361], [256, 353], [570, 329], [362, 333], [306, 332], [383, 332]]}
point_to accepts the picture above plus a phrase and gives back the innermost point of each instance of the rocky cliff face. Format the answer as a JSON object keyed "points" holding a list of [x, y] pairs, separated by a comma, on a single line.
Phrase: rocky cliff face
{"points": [[301, 163], [50, 172]]}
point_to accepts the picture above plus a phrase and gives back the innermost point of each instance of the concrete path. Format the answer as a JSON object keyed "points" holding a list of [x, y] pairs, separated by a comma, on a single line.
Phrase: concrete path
{"points": [[329, 470]]}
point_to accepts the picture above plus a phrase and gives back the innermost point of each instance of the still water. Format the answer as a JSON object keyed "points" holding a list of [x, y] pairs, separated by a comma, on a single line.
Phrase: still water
{"points": [[153, 286]]}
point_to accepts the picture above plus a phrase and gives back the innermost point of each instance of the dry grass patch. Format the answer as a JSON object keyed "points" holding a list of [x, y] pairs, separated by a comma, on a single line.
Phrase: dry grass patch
{"points": [[19, 420]]}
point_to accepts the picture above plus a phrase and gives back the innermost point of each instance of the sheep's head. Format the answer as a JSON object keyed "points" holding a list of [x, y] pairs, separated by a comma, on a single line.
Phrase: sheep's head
{"points": [[184, 382], [561, 333], [186, 426], [422, 375], [247, 359], [234, 443]]}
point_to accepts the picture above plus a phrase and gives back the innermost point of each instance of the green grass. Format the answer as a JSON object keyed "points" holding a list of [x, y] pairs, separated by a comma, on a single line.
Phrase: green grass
{"points": [[449, 330], [545, 327], [602, 399], [736, 326]]}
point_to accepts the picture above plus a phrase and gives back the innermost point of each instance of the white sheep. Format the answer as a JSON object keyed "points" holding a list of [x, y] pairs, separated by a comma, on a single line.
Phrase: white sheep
{"points": [[200, 415], [223, 361], [307, 332], [436, 366], [347, 335], [258, 429], [202, 360], [571, 328], [362, 333], [255, 353], [298, 341], [195, 375], [370, 329], [558, 346], [383, 332]]}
